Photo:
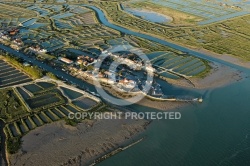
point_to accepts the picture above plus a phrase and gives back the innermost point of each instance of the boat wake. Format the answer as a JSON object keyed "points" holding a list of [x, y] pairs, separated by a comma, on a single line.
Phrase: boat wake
{"points": [[238, 151]]}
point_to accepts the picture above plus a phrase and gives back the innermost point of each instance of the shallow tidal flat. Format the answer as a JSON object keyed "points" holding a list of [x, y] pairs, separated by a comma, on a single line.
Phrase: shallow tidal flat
{"points": [[60, 144], [149, 15], [219, 75]]}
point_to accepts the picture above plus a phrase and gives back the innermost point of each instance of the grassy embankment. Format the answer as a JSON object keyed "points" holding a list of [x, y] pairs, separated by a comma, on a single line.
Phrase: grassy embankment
{"points": [[10, 106], [32, 71]]}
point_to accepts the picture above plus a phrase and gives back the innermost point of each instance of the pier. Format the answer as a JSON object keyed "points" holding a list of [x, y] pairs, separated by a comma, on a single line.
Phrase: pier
{"points": [[114, 152], [200, 100], [172, 99]]}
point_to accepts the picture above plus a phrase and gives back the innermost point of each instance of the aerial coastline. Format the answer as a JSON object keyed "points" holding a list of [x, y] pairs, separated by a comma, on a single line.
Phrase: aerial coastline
{"points": [[49, 70]]}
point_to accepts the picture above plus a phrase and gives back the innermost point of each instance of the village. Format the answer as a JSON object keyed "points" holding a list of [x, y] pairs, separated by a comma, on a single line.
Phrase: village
{"points": [[75, 48], [130, 76]]}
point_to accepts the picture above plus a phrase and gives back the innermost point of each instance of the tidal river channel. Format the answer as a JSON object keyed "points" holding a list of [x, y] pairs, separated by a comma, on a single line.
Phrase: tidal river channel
{"points": [[216, 132]]}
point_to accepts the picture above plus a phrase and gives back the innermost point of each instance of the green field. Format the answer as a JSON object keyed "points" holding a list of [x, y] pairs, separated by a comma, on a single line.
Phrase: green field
{"points": [[11, 107], [222, 37], [7, 11]]}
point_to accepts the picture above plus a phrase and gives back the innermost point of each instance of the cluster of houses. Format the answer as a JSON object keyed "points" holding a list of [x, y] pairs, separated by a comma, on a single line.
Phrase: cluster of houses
{"points": [[81, 60], [134, 64], [37, 49], [124, 82], [103, 76], [18, 42], [10, 36], [65, 60], [9, 32], [230, 6], [110, 78], [84, 60]]}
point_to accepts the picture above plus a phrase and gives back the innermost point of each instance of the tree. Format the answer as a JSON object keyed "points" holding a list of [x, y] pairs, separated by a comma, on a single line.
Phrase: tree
{"points": [[90, 68], [13, 144], [102, 71], [51, 75]]}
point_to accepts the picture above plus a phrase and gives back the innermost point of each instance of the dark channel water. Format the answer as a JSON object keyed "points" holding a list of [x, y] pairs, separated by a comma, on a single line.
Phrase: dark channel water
{"points": [[216, 132]]}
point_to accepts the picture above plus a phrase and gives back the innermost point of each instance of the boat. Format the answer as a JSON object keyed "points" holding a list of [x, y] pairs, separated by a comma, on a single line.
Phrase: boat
{"points": [[95, 94]]}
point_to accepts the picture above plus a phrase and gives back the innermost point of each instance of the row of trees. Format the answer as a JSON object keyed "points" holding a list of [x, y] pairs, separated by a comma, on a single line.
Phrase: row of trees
{"points": [[34, 71]]}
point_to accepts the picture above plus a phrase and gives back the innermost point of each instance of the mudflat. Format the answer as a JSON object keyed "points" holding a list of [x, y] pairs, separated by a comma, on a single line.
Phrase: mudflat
{"points": [[61, 144]]}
